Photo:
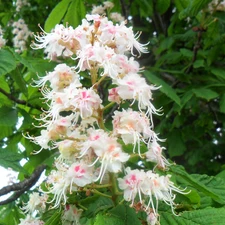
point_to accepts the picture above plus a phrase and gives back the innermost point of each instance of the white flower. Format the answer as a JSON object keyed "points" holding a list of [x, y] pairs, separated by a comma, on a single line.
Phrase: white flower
{"points": [[87, 101], [133, 127], [113, 95], [117, 17], [134, 87], [59, 42], [30, 221], [108, 5], [154, 154], [36, 202], [58, 185], [21, 35], [61, 77], [98, 10], [80, 174], [71, 214], [107, 151], [68, 149], [152, 219], [132, 183]]}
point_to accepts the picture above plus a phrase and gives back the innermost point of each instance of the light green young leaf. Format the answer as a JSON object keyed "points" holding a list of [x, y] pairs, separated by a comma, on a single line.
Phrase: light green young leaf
{"points": [[75, 13], [165, 88], [205, 93], [7, 62], [56, 15]]}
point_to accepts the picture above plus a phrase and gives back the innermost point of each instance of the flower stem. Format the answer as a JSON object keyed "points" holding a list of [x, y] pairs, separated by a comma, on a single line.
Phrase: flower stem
{"points": [[94, 75], [108, 106], [100, 193], [114, 189]]}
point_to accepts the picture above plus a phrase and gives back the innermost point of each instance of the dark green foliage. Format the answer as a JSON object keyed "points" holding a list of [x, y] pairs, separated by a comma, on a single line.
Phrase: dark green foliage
{"points": [[186, 59]]}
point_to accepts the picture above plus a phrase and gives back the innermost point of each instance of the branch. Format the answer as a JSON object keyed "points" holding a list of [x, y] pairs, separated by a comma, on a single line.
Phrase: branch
{"points": [[18, 101], [22, 186], [196, 47]]}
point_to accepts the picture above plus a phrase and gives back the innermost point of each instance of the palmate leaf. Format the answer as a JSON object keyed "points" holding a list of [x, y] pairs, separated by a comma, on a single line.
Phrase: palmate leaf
{"points": [[209, 186], [121, 215], [208, 216], [95, 205]]}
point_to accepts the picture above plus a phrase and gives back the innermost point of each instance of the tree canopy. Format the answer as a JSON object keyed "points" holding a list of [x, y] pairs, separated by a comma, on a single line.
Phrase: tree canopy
{"points": [[179, 46]]}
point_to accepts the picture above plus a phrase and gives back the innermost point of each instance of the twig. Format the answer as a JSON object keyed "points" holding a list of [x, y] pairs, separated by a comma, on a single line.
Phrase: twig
{"points": [[22, 186], [18, 101], [195, 49]]}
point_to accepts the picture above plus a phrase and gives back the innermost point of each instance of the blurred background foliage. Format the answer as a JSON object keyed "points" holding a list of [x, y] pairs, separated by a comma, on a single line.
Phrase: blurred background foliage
{"points": [[186, 58]]}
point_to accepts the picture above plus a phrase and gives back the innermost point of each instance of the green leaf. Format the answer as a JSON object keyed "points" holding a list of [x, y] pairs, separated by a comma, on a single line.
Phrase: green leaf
{"points": [[7, 62], [9, 159], [165, 88], [198, 63], [27, 120], [186, 97], [8, 116], [121, 215], [208, 216], [18, 78], [56, 15], [194, 8], [97, 205], [162, 6], [75, 13], [10, 214], [222, 104], [205, 93], [186, 52], [215, 184], [180, 173], [175, 143], [55, 218], [104, 219], [125, 214], [181, 4], [4, 100], [219, 72]]}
